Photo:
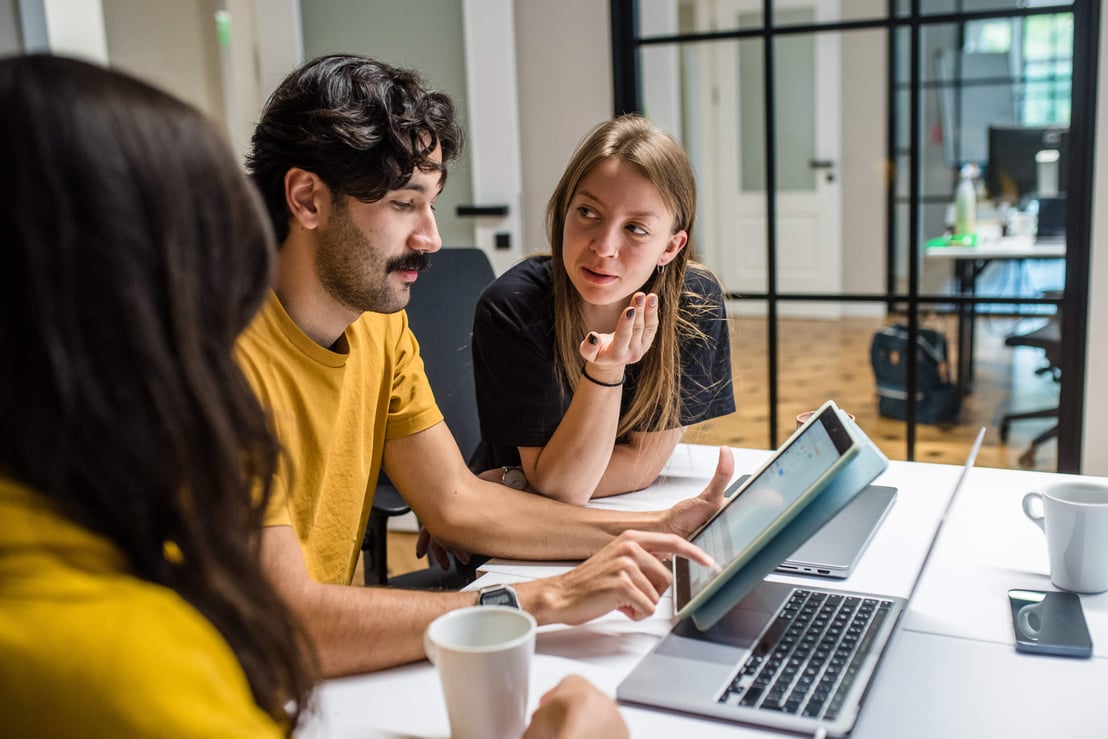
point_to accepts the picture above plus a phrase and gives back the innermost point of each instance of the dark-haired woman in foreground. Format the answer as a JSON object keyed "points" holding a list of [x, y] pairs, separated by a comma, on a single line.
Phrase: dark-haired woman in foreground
{"points": [[134, 459]]}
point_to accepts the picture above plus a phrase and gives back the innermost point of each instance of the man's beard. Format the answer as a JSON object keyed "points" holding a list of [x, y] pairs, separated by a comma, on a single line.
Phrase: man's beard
{"points": [[352, 272]]}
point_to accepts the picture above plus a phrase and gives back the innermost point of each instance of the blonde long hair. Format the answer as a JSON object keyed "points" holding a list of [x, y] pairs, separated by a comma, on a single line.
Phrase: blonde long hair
{"points": [[633, 140]]}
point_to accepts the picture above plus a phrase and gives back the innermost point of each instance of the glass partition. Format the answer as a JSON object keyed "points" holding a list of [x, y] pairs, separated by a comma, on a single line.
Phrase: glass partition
{"points": [[823, 197]]}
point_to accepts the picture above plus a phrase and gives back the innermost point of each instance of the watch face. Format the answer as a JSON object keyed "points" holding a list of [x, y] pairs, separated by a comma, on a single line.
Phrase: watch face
{"points": [[514, 478], [499, 596]]}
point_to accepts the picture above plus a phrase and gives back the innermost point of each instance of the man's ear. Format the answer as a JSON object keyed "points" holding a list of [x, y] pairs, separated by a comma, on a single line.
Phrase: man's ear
{"points": [[306, 196]]}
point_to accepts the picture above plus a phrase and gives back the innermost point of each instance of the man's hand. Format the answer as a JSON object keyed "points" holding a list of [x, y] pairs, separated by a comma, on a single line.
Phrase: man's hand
{"points": [[575, 709], [687, 516], [629, 575], [426, 544]]}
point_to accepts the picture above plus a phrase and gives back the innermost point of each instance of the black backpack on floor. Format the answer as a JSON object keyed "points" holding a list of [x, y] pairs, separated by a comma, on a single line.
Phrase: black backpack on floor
{"points": [[937, 399]]}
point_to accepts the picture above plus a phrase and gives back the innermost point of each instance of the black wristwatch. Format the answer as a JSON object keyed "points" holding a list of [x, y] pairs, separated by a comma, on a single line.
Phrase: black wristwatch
{"points": [[498, 595], [514, 478]]}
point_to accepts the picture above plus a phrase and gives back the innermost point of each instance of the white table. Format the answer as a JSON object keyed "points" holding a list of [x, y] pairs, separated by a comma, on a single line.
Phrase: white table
{"points": [[968, 264], [1007, 247], [951, 671]]}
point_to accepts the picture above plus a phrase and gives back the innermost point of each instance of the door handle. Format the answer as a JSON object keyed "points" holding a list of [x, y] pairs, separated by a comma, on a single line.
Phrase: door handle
{"points": [[481, 210], [826, 165]]}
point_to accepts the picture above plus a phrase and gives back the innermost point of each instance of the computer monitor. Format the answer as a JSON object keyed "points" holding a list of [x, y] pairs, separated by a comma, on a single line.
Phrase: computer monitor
{"points": [[1012, 173]]}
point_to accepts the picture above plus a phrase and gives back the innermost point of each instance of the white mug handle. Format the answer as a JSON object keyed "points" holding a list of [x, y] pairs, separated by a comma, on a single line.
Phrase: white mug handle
{"points": [[1034, 511], [1024, 620]]}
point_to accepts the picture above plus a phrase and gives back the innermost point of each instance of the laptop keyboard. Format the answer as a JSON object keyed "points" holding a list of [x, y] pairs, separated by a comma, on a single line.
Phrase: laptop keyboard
{"points": [[808, 659]]}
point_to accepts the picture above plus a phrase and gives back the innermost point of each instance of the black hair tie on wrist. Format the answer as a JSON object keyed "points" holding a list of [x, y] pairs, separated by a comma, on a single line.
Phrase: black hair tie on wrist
{"points": [[593, 380]]}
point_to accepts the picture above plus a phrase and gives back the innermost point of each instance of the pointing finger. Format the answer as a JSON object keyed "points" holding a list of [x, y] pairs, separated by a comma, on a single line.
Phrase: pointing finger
{"points": [[670, 544]]}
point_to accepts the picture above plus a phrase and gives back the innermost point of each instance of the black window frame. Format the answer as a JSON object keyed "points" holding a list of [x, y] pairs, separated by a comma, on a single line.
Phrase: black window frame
{"points": [[626, 74]]}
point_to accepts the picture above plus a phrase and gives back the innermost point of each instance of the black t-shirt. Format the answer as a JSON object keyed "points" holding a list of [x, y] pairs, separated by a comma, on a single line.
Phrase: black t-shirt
{"points": [[519, 398]]}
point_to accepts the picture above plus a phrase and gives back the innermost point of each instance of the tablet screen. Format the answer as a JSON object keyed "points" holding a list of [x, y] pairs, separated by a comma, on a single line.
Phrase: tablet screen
{"points": [[764, 506]]}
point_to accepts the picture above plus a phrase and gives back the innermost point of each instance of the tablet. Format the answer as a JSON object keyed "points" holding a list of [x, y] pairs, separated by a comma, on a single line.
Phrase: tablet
{"points": [[763, 504]]}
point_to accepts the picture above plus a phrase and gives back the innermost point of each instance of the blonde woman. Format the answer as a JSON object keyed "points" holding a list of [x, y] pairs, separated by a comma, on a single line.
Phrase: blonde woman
{"points": [[591, 362]]}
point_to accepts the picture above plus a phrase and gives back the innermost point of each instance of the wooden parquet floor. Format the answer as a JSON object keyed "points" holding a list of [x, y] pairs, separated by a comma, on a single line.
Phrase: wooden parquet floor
{"points": [[821, 359], [830, 359]]}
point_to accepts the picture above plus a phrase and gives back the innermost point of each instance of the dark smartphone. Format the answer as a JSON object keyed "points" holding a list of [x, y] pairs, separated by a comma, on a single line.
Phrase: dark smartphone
{"points": [[1050, 623]]}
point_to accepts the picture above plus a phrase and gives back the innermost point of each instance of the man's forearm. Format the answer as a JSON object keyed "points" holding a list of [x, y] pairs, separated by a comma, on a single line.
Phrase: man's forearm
{"points": [[352, 629], [498, 521], [464, 512], [355, 630]]}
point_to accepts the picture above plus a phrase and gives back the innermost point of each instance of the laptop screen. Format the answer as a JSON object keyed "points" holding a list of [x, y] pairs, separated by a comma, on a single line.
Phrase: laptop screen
{"points": [[765, 504]]}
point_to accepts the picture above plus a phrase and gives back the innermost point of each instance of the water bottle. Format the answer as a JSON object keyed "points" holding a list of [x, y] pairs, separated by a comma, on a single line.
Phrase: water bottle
{"points": [[965, 203]]}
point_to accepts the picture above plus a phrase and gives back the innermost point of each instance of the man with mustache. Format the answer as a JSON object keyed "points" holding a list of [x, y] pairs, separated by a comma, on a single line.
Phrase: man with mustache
{"points": [[350, 155]]}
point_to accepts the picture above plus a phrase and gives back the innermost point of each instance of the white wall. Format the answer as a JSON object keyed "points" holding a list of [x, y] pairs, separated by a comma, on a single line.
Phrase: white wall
{"points": [[11, 40], [1095, 451], [864, 167], [76, 28], [564, 53], [169, 44]]}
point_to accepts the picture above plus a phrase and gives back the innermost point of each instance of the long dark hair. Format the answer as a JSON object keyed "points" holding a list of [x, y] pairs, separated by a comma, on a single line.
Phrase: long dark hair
{"points": [[361, 125], [135, 251]]}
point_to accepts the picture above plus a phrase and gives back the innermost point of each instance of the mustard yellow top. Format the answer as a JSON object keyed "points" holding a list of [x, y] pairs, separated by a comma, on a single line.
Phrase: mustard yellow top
{"points": [[333, 412], [87, 649]]}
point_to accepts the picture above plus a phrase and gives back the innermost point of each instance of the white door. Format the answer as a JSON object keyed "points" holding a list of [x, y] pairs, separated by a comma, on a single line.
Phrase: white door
{"points": [[807, 72]]}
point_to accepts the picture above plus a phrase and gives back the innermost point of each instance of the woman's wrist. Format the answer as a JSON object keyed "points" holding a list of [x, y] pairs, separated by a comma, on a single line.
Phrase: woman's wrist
{"points": [[603, 374]]}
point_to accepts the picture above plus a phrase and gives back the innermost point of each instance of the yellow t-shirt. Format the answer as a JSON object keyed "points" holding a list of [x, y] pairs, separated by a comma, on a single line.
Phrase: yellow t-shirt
{"points": [[87, 649], [333, 413]]}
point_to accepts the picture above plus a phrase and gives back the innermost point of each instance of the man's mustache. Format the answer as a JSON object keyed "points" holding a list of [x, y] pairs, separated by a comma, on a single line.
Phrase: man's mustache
{"points": [[416, 261]]}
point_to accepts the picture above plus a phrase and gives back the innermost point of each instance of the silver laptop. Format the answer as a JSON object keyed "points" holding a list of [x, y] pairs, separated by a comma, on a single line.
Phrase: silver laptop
{"points": [[783, 656], [835, 549]]}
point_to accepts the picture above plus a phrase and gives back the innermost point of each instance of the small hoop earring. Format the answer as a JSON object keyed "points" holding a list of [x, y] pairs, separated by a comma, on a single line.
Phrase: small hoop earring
{"points": [[661, 268]]}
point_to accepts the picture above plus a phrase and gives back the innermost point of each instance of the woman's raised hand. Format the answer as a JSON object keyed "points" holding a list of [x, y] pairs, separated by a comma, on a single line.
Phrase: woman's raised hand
{"points": [[633, 335]]}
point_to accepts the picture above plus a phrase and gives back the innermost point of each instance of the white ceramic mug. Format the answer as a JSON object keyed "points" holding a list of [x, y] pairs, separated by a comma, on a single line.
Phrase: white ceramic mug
{"points": [[483, 655], [1074, 517]]}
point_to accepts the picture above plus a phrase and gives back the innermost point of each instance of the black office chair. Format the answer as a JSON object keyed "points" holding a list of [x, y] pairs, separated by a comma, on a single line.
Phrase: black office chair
{"points": [[440, 312], [1047, 337]]}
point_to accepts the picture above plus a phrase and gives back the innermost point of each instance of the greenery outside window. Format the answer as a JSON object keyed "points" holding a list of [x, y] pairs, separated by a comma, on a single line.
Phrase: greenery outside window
{"points": [[1040, 48]]}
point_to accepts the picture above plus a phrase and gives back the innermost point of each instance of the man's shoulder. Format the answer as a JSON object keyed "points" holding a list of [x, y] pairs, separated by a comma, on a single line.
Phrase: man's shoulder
{"points": [[262, 333]]}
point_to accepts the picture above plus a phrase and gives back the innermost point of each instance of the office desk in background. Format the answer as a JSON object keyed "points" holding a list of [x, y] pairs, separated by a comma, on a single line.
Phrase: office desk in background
{"points": [[968, 264], [950, 671]]}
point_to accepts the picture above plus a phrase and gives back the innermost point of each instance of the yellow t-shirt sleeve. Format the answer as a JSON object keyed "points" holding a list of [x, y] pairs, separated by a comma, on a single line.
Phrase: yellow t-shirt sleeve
{"points": [[412, 406]]}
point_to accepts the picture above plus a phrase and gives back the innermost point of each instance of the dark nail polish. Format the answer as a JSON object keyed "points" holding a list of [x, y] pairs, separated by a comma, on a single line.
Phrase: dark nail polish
{"points": [[593, 340], [630, 312]]}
